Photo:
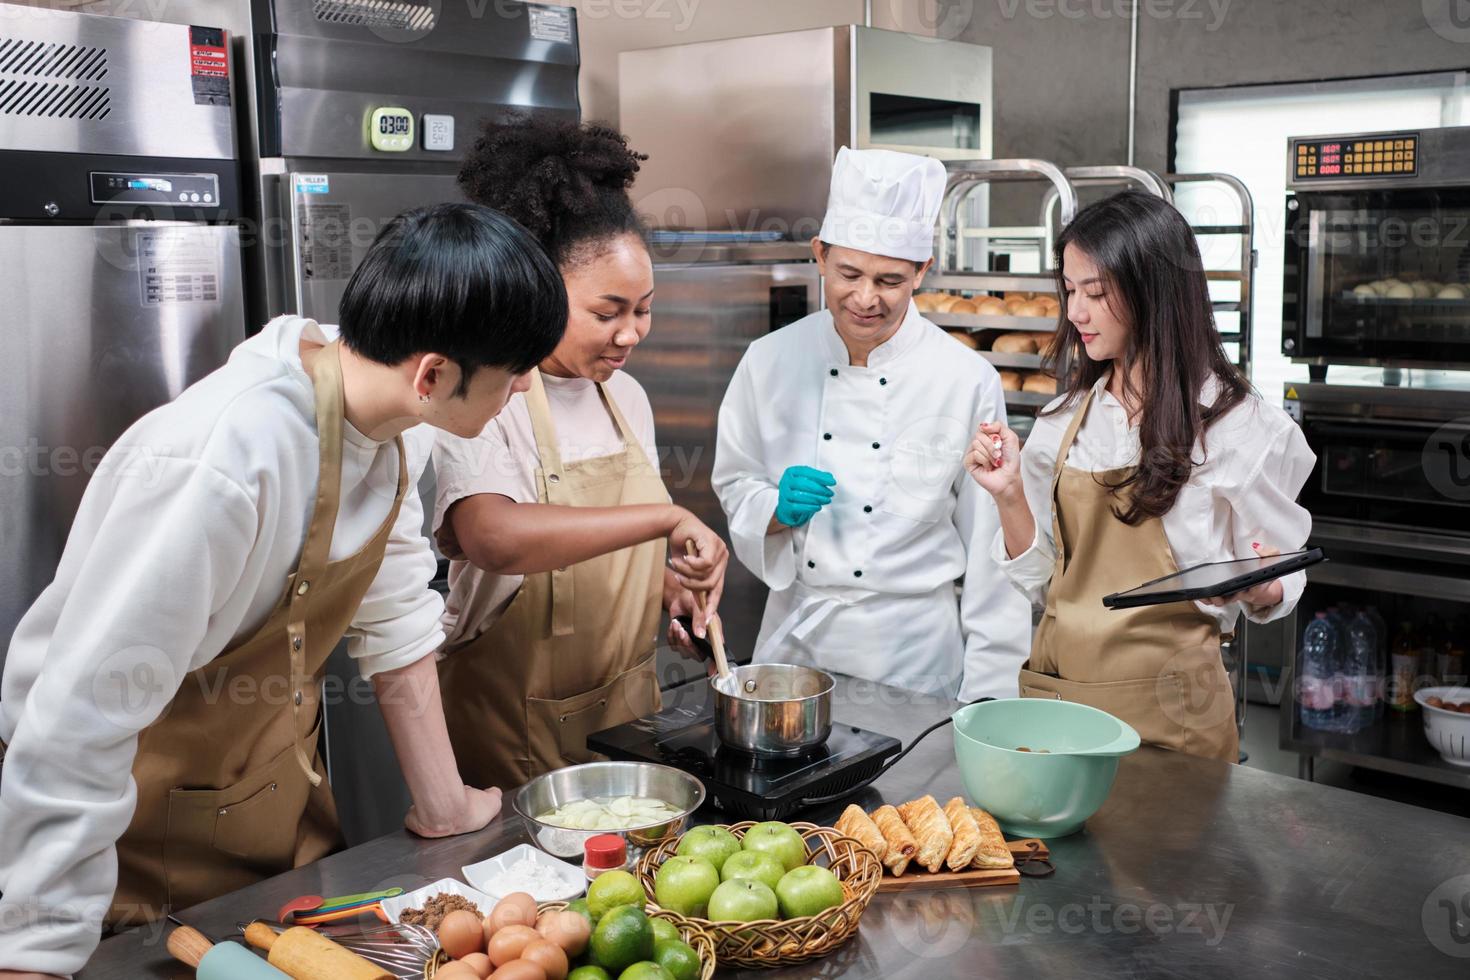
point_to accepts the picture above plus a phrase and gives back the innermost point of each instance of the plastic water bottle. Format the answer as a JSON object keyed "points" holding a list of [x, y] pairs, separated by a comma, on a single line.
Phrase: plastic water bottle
{"points": [[1385, 641], [1362, 675], [1318, 675]]}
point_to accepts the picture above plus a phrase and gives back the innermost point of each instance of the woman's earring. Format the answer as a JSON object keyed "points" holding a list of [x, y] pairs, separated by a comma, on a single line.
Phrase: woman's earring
{"points": [[424, 399]]}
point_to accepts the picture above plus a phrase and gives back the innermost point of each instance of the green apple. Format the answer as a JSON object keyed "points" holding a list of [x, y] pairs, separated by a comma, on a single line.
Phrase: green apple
{"points": [[742, 900], [808, 890], [714, 844], [755, 866], [778, 840], [684, 885]]}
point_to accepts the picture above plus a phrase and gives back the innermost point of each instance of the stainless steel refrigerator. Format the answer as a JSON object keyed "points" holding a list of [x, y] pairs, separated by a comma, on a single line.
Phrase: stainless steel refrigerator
{"points": [[364, 109], [119, 260]]}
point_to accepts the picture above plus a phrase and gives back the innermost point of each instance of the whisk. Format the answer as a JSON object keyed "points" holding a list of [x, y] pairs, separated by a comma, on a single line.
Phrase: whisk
{"points": [[406, 951]]}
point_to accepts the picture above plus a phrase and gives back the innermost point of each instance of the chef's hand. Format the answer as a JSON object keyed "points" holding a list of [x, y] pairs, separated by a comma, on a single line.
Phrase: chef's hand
{"points": [[703, 571], [448, 542], [480, 806], [994, 459], [679, 601], [803, 492], [1262, 596]]}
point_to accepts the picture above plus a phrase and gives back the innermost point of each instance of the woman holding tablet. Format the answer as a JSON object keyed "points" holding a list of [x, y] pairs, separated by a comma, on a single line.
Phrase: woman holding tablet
{"points": [[1158, 457]]}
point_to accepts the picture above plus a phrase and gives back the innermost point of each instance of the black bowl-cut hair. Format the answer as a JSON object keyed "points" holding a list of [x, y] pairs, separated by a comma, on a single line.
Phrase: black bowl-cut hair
{"points": [[566, 182], [459, 280]]}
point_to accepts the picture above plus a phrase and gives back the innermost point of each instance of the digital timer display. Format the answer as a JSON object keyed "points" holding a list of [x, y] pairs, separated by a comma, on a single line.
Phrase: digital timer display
{"points": [[394, 125], [1394, 155]]}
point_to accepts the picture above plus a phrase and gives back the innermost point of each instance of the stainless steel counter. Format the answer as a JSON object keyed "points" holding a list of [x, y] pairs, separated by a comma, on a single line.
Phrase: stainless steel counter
{"points": [[1191, 869]]}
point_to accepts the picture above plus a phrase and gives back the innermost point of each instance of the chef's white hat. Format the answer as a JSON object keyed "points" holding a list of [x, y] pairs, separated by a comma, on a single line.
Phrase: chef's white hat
{"points": [[884, 203]]}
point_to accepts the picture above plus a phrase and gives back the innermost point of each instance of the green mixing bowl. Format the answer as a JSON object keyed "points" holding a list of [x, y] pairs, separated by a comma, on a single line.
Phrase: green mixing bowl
{"points": [[1039, 794]]}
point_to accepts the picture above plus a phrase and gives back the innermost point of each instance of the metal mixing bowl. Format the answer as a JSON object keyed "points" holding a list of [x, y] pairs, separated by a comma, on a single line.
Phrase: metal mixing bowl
{"points": [[606, 780], [779, 710]]}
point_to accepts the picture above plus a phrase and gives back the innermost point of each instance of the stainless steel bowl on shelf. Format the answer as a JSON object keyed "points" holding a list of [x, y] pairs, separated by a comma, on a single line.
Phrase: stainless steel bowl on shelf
{"points": [[601, 781], [779, 710]]}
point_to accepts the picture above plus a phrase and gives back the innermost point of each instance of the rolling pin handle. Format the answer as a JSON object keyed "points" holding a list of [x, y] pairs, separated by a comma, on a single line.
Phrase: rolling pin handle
{"points": [[261, 936], [188, 945]]}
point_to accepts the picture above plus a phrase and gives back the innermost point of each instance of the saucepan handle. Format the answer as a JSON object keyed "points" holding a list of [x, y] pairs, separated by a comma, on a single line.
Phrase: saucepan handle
{"points": [[833, 798]]}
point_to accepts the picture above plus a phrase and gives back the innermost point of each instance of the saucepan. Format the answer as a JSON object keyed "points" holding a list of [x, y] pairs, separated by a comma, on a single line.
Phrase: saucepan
{"points": [[769, 710]]}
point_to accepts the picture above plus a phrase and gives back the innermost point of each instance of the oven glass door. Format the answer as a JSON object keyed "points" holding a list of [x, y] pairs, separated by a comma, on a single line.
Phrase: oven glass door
{"points": [[1395, 473], [1380, 276]]}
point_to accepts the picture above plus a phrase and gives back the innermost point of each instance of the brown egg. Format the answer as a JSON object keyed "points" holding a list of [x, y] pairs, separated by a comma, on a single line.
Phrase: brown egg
{"points": [[549, 956], [515, 909], [455, 971], [460, 934], [568, 930], [519, 970], [480, 963], [507, 943]]}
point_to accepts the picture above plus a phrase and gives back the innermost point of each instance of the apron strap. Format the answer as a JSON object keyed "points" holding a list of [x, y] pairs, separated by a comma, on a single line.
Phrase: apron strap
{"points": [[543, 429], [326, 374], [624, 429], [1064, 449]]}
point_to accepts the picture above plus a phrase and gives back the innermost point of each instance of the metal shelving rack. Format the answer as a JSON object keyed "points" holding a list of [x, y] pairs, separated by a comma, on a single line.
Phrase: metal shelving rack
{"points": [[1245, 229]]}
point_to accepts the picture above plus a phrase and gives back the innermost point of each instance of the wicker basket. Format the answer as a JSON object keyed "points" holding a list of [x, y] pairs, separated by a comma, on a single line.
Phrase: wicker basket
{"points": [[692, 932], [774, 943]]}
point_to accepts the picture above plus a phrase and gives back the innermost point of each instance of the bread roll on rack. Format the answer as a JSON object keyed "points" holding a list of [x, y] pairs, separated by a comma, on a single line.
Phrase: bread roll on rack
{"points": [[1014, 343]]}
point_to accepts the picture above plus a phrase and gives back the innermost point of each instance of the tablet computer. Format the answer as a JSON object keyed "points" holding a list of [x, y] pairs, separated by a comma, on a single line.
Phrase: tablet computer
{"points": [[1212, 579]]}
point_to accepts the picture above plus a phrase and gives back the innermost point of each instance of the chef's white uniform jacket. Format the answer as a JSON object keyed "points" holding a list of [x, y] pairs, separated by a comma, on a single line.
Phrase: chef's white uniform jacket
{"points": [[867, 586]]}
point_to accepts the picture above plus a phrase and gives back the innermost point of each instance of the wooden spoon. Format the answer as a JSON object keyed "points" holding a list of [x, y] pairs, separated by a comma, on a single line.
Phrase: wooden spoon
{"points": [[716, 632]]}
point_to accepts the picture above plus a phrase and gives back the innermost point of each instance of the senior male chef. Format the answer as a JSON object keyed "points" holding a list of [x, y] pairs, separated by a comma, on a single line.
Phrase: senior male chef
{"points": [[840, 461]]}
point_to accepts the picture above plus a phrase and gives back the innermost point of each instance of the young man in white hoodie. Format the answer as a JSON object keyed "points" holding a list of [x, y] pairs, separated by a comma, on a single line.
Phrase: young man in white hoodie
{"points": [[160, 699]]}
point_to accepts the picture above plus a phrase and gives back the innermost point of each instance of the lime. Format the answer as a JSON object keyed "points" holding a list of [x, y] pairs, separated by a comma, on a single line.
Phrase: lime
{"points": [[622, 937], [664, 930], [645, 971], [611, 889], [580, 905], [678, 957], [589, 973]]}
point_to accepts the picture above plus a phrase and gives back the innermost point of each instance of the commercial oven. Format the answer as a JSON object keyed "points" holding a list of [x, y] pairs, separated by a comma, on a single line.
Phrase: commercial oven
{"points": [[119, 255], [1377, 259]]}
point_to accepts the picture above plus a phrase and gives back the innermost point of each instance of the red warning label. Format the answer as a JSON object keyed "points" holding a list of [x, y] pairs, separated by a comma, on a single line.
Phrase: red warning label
{"points": [[209, 65]]}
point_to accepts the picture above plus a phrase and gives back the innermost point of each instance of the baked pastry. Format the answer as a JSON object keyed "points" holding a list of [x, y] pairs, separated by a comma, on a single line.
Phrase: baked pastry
{"points": [[1016, 294], [930, 828], [858, 825], [1010, 380], [990, 306], [1014, 343], [963, 306], [966, 835], [927, 302], [1015, 303], [965, 337], [1034, 307], [993, 852], [901, 843], [945, 302], [1039, 382], [1046, 342]]}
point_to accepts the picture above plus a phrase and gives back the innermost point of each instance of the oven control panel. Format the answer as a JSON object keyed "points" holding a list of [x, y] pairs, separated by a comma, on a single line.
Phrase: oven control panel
{"points": [[1379, 155]]}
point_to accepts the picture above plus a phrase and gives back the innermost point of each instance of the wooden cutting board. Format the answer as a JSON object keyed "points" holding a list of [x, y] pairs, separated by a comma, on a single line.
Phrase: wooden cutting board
{"points": [[976, 878]]}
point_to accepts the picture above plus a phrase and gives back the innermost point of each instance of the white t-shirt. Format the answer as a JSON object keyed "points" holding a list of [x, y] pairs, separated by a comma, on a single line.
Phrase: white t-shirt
{"points": [[182, 545], [503, 459]]}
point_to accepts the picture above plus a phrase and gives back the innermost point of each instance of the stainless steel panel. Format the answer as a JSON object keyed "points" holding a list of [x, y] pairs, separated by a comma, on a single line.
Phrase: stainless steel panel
{"points": [[330, 231], [745, 139], [704, 318], [1443, 159], [86, 356], [84, 83]]}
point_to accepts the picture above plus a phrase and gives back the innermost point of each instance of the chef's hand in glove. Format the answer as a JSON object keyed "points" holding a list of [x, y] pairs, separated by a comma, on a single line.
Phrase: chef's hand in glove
{"points": [[480, 806], [804, 491], [994, 459], [703, 571]]}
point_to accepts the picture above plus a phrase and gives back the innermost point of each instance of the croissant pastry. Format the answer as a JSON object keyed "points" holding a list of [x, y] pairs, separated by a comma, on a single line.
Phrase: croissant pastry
{"points": [[930, 828], [901, 843], [993, 852], [857, 824], [966, 835]]}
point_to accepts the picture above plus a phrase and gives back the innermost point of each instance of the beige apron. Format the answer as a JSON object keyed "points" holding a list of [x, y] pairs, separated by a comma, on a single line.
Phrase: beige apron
{"points": [[1156, 667], [573, 653], [230, 787]]}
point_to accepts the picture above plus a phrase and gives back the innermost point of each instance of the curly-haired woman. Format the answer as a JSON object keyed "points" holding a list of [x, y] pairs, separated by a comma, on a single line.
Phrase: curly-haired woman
{"points": [[555, 517]]}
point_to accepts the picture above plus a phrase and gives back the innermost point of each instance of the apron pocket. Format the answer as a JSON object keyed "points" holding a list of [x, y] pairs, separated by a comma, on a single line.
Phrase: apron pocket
{"points": [[1152, 705], [219, 840], [557, 729]]}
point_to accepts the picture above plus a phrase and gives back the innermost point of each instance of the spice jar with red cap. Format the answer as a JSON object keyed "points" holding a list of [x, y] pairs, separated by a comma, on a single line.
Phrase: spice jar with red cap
{"points": [[605, 852]]}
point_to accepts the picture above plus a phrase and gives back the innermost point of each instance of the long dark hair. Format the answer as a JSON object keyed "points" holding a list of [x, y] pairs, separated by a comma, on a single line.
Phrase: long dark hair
{"points": [[1156, 284], [566, 183]]}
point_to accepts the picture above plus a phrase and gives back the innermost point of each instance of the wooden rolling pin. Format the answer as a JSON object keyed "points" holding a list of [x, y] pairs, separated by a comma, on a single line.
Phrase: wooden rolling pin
{"points": [[226, 961], [305, 955]]}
